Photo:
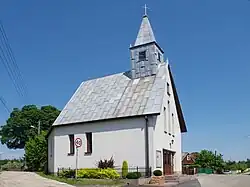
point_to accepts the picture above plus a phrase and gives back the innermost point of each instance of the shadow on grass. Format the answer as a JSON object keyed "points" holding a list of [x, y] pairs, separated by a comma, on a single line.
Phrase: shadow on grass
{"points": [[83, 182]]}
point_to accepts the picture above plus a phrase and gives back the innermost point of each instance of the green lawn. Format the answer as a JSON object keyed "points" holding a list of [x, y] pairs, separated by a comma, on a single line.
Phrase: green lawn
{"points": [[82, 182]]}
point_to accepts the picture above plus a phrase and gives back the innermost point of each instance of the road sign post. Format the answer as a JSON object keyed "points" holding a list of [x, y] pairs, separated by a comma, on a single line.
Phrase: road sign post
{"points": [[78, 143]]}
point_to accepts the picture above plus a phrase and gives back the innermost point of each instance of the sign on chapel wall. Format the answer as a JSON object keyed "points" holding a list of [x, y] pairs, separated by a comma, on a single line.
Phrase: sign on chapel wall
{"points": [[158, 159]]}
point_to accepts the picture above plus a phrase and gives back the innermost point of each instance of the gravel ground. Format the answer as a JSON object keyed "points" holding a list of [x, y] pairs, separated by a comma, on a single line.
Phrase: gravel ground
{"points": [[27, 179]]}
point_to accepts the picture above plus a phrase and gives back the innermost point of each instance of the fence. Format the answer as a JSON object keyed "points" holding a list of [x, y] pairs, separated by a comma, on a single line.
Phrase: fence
{"points": [[205, 170], [145, 172], [189, 170]]}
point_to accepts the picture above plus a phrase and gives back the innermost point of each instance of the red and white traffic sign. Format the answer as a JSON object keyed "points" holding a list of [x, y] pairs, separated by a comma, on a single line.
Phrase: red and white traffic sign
{"points": [[78, 142]]}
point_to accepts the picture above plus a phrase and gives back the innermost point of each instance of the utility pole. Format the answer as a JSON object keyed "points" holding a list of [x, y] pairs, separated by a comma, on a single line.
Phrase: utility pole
{"points": [[39, 127], [215, 153]]}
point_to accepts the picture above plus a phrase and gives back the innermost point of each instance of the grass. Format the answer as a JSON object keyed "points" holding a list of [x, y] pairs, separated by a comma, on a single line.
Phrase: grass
{"points": [[82, 182]]}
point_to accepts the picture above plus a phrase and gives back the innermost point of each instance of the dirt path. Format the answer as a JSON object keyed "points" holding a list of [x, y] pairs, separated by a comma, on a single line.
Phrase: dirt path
{"points": [[27, 179]]}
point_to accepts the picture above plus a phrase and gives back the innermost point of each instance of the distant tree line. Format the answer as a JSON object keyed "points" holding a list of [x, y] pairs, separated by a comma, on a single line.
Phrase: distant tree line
{"points": [[240, 165], [215, 161], [5, 161]]}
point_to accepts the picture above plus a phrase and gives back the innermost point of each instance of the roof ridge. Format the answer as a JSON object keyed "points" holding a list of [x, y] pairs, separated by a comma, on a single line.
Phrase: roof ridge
{"points": [[105, 76]]}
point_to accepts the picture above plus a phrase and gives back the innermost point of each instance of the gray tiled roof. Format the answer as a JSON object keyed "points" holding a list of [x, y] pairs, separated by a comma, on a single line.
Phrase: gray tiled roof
{"points": [[115, 96], [145, 34]]}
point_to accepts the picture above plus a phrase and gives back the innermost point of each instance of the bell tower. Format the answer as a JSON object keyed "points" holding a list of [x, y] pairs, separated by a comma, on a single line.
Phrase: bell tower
{"points": [[145, 54]]}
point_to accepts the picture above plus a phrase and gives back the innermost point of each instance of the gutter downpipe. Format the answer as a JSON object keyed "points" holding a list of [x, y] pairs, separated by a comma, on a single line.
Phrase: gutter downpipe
{"points": [[147, 148]]}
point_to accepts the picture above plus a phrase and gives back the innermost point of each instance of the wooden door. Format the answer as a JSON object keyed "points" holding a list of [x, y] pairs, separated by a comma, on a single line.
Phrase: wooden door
{"points": [[168, 166], [166, 163], [164, 156], [172, 163]]}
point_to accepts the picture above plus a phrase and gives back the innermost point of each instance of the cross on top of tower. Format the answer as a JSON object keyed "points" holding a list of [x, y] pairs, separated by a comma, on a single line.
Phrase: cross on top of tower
{"points": [[145, 10]]}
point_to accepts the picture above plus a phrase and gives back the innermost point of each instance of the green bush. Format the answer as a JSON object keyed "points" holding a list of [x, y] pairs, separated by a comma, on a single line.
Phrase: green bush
{"points": [[69, 173], [36, 152], [157, 172], [104, 164], [12, 166], [133, 175], [124, 169], [97, 173], [94, 173], [2, 162]]}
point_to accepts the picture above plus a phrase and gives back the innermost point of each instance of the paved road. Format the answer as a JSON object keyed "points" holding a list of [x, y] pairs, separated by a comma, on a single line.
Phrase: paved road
{"points": [[27, 179], [224, 180], [192, 183]]}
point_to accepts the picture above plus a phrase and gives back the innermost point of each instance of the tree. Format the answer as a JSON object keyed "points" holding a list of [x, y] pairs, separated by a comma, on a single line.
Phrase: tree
{"points": [[232, 165], [241, 165], [208, 159], [17, 130], [205, 159], [219, 163], [248, 163], [36, 152]]}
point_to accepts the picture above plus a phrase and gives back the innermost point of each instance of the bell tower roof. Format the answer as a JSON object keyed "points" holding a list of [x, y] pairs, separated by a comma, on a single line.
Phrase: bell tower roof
{"points": [[145, 34]]}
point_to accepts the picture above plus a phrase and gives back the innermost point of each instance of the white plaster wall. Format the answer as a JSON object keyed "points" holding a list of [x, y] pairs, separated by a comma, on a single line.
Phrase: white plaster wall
{"points": [[51, 152], [162, 140], [151, 135], [124, 139]]}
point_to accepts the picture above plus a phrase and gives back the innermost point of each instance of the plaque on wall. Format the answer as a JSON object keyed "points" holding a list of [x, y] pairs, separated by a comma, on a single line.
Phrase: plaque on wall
{"points": [[158, 159]]}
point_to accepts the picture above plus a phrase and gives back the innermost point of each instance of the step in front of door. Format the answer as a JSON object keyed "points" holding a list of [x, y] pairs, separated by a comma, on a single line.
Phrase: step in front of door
{"points": [[171, 178]]}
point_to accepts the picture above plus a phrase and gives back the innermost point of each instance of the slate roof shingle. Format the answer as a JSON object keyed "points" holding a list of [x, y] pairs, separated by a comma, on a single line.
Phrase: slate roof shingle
{"points": [[115, 96], [145, 34]]}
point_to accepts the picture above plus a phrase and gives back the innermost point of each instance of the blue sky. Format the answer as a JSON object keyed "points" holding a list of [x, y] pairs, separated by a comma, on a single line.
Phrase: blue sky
{"points": [[58, 44]]}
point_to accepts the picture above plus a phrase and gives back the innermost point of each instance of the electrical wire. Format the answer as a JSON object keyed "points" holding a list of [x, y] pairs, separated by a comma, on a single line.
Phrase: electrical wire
{"points": [[4, 104], [12, 59], [9, 61]]}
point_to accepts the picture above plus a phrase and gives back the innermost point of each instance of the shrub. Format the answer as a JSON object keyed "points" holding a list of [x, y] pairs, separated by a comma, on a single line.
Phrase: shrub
{"points": [[124, 169], [69, 173], [133, 175], [157, 172], [97, 173], [2, 162], [12, 166], [104, 164], [36, 152]]}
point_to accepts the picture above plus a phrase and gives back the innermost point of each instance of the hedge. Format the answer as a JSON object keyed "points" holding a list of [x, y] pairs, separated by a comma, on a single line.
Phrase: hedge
{"points": [[94, 173]]}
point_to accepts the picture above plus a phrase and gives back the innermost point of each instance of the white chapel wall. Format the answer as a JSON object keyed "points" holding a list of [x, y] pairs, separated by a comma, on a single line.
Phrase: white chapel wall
{"points": [[51, 152], [163, 140], [124, 139]]}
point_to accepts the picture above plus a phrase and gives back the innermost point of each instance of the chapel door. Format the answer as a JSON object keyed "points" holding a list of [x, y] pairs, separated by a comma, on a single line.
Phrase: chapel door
{"points": [[172, 162], [168, 162]]}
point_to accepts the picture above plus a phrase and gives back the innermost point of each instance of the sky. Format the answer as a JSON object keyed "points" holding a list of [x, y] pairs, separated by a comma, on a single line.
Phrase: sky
{"points": [[58, 44]]}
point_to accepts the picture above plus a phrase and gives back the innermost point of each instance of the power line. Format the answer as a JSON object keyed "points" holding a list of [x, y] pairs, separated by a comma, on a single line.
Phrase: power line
{"points": [[10, 64], [4, 104], [10, 72], [12, 57]]}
